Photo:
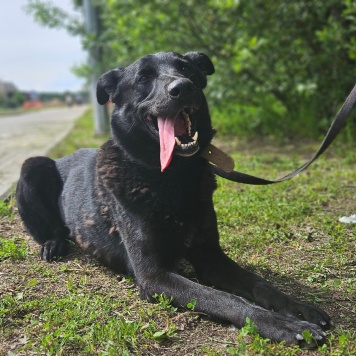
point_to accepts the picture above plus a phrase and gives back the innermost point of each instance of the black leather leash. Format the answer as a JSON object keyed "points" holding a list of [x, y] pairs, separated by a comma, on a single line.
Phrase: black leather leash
{"points": [[336, 126]]}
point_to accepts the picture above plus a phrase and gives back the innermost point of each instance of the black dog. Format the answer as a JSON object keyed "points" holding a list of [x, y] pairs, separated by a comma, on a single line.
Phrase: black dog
{"points": [[143, 201]]}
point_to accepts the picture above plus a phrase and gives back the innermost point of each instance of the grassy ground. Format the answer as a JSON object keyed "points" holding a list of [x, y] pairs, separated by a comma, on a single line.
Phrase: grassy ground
{"points": [[289, 233], [16, 111], [5, 111]]}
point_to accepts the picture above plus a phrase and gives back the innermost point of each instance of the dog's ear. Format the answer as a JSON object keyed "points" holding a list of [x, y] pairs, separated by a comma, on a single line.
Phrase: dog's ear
{"points": [[202, 61], [107, 85]]}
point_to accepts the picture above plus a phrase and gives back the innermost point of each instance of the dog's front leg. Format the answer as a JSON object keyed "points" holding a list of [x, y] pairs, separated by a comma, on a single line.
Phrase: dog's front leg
{"points": [[215, 268], [153, 278], [227, 307]]}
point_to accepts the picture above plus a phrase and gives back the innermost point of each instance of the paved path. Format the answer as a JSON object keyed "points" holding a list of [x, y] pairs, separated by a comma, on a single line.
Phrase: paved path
{"points": [[31, 134]]}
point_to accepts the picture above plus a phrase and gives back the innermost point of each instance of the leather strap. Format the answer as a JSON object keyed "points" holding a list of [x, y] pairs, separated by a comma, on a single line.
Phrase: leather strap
{"points": [[335, 127], [218, 157]]}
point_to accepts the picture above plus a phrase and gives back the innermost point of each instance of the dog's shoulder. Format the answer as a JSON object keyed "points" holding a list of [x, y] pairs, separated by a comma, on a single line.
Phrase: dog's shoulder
{"points": [[121, 176]]}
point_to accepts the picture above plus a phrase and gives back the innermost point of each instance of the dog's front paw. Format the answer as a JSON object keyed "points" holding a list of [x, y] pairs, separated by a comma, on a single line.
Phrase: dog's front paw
{"points": [[305, 334], [53, 249], [278, 327], [307, 312], [270, 298]]}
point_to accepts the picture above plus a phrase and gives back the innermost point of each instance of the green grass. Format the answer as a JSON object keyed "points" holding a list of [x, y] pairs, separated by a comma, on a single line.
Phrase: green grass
{"points": [[5, 209], [16, 111], [8, 111], [14, 248], [289, 233]]}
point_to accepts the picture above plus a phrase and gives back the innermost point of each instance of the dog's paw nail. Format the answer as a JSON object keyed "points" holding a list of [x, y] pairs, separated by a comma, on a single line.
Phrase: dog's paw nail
{"points": [[318, 337], [323, 323], [299, 337]]}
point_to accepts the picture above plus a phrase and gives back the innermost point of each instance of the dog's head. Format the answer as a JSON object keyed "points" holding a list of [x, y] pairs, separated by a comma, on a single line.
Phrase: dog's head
{"points": [[160, 110]]}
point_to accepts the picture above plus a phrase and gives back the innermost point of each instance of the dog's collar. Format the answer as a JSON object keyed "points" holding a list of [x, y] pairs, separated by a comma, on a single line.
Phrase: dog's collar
{"points": [[218, 158]]}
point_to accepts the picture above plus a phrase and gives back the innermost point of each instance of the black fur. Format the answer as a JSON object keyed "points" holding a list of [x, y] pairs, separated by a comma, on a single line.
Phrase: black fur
{"points": [[117, 204]]}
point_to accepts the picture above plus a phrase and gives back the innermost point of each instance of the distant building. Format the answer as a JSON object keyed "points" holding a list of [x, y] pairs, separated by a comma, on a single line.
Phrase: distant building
{"points": [[7, 89]]}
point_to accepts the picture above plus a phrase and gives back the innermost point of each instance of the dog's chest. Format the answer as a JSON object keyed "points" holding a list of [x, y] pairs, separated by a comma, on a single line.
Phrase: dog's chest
{"points": [[170, 205], [140, 188], [167, 202]]}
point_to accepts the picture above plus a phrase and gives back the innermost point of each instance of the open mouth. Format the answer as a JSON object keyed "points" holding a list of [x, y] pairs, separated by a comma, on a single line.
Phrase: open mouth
{"points": [[177, 134]]}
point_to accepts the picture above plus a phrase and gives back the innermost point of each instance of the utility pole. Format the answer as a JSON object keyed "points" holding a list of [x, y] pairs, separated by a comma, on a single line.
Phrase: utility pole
{"points": [[91, 19]]}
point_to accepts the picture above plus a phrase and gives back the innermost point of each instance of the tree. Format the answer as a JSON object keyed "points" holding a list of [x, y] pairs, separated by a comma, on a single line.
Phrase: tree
{"points": [[279, 64], [55, 17]]}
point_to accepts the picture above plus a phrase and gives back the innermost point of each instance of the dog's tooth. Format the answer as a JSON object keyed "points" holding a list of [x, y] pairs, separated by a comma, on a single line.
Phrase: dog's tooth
{"points": [[187, 120], [195, 137], [189, 127], [178, 142]]}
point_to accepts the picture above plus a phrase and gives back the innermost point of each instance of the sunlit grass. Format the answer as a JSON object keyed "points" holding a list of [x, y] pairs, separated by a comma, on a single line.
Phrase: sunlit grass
{"points": [[288, 232]]}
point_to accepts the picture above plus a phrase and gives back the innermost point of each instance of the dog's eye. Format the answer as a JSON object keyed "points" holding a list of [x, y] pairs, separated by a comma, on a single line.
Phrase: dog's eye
{"points": [[144, 78], [184, 68]]}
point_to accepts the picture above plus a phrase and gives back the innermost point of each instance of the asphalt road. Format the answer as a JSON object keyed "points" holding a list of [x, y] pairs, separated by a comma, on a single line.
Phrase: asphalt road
{"points": [[31, 134]]}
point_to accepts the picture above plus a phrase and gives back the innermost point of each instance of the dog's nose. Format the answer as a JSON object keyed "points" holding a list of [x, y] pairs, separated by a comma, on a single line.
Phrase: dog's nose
{"points": [[180, 87]]}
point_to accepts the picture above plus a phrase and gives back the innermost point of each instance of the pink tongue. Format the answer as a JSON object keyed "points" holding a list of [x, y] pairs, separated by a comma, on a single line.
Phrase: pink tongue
{"points": [[166, 140]]}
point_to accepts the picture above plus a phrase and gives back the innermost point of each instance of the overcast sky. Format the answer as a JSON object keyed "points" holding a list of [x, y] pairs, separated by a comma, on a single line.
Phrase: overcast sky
{"points": [[34, 57]]}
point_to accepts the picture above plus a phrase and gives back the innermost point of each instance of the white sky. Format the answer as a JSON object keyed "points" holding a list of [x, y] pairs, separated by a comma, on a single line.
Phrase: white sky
{"points": [[34, 57]]}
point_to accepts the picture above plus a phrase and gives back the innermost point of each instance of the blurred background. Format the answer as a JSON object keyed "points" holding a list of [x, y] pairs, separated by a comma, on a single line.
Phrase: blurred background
{"points": [[283, 68], [35, 61]]}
